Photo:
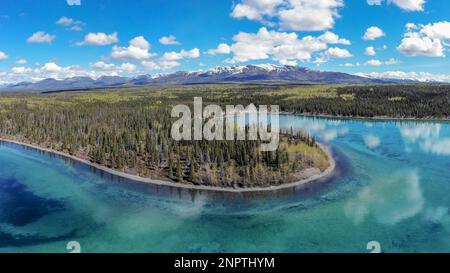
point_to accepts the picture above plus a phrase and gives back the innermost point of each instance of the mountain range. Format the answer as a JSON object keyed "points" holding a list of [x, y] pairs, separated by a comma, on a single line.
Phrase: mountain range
{"points": [[265, 73]]}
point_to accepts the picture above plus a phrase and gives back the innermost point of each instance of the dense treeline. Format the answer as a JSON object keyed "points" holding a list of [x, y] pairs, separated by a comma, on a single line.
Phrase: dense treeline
{"points": [[407, 101], [134, 136], [396, 101]]}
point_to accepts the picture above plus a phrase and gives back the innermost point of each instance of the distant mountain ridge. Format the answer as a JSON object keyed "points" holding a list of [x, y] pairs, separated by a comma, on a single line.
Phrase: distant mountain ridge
{"points": [[264, 73]]}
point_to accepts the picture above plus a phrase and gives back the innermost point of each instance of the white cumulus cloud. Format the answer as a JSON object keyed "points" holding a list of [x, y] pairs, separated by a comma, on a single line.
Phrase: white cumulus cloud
{"points": [[401, 75], [374, 2], [52, 68], [439, 30], [73, 2], [3, 56], [138, 49], [339, 53], [426, 40], [70, 23], [172, 59], [169, 40], [373, 33], [310, 15], [55, 71], [175, 56], [113, 68], [332, 38], [297, 15], [65, 21], [21, 70], [408, 5], [103, 66], [284, 47], [99, 39], [374, 62], [256, 9], [128, 67], [421, 46], [221, 49], [167, 65], [370, 51], [150, 65], [21, 61], [41, 37]]}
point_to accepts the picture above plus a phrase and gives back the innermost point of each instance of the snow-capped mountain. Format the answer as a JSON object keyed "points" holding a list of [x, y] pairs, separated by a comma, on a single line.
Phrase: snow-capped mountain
{"points": [[266, 73], [262, 73]]}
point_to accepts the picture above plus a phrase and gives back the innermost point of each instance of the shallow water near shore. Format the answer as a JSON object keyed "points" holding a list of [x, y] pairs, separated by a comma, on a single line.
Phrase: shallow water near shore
{"points": [[391, 185]]}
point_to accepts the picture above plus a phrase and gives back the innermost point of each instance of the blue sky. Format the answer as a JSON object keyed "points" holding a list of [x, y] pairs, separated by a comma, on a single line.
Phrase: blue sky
{"points": [[51, 38]]}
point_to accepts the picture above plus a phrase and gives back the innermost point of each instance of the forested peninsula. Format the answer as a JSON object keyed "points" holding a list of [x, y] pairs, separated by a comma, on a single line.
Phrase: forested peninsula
{"points": [[129, 132]]}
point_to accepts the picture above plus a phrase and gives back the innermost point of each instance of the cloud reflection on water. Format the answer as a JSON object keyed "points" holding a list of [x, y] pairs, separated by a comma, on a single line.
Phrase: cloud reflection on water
{"points": [[390, 200], [436, 146], [436, 215], [327, 130], [420, 131], [428, 136], [372, 141]]}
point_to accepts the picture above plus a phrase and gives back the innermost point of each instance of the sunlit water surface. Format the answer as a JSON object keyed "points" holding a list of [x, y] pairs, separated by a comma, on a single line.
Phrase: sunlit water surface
{"points": [[392, 185]]}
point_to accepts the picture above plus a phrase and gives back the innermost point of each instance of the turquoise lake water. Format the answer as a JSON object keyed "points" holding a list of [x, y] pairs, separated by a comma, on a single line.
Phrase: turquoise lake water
{"points": [[392, 185]]}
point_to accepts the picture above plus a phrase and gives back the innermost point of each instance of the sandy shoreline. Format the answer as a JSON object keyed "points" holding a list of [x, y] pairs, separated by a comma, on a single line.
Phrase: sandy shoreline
{"points": [[302, 182]]}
